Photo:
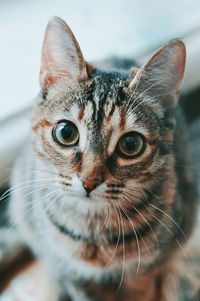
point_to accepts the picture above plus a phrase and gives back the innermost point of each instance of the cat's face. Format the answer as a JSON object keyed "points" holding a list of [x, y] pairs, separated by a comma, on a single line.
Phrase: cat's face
{"points": [[107, 140], [102, 140]]}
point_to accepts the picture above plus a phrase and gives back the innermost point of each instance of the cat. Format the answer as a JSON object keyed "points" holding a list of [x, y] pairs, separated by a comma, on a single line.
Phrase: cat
{"points": [[103, 192]]}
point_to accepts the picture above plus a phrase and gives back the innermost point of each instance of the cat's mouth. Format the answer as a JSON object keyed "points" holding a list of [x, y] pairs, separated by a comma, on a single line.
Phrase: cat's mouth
{"points": [[120, 238]]}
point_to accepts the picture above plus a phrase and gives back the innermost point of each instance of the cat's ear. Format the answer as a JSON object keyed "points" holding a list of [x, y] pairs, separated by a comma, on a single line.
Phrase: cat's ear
{"points": [[61, 55], [161, 76]]}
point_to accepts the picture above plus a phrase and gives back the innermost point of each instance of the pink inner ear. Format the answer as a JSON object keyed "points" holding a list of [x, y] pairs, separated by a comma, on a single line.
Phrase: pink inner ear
{"points": [[165, 68], [50, 73], [61, 55], [49, 79]]}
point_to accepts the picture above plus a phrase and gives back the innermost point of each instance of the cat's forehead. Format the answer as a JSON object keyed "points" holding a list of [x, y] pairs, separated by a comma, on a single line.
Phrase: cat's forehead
{"points": [[107, 89], [105, 95], [102, 104]]}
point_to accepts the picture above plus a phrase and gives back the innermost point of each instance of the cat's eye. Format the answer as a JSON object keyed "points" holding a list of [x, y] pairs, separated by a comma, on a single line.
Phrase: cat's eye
{"points": [[131, 145], [66, 133]]}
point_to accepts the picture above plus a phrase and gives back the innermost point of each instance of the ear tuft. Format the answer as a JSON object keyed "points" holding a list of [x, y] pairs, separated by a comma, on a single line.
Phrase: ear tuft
{"points": [[163, 73], [61, 55]]}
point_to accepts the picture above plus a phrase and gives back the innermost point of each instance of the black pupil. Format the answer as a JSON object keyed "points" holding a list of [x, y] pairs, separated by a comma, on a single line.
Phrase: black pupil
{"points": [[131, 144], [67, 132]]}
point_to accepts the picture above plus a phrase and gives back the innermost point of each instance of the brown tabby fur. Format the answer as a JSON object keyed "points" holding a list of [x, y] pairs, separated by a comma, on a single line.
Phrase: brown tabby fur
{"points": [[125, 239]]}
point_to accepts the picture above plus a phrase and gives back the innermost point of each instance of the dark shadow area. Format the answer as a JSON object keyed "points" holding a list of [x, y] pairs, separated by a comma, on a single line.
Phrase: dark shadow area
{"points": [[190, 104]]}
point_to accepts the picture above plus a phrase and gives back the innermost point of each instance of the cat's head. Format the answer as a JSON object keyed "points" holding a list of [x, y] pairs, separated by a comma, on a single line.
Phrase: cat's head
{"points": [[106, 137]]}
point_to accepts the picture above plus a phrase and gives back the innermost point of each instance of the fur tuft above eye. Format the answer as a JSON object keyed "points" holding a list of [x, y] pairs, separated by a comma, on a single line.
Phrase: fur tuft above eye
{"points": [[131, 145], [65, 133]]}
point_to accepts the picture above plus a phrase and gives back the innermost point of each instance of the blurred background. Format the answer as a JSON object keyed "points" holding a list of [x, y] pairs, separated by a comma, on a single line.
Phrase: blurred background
{"points": [[120, 28]]}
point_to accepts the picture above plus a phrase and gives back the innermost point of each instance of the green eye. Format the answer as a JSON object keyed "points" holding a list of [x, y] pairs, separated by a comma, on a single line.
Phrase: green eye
{"points": [[131, 145], [66, 133]]}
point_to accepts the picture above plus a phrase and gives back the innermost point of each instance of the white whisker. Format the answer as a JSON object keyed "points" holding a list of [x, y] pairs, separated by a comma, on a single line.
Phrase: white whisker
{"points": [[137, 241], [124, 250], [119, 232]]}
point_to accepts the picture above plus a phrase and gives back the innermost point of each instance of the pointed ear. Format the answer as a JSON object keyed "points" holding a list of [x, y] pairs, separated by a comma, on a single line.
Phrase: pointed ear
{"points": [[161, 76], [61, 55]]}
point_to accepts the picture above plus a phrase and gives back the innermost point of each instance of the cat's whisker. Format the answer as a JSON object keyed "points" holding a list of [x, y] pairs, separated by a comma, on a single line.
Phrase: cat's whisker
{"points": [[178, 243], [155, 237], [124, 250], [48, 196], [39, 188], [143, 93], [150, 87], [105, 220], [33, 181], [134, 196], [51, 200], [145, 196], [36, 227], [27, 188], [166, 214], [136, 237], [177, 225], [155, 207], [109, 219], [13, 225], [119, 233], [135, 89], [132, 109], [131, 222]]}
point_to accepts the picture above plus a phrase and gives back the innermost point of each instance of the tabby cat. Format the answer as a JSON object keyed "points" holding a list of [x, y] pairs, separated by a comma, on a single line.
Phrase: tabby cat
{"points": [[105, 194]]}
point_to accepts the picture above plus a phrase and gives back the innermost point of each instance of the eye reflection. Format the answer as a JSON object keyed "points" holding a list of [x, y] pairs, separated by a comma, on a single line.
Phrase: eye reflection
{"points": [[66, 133], [131, 145]]}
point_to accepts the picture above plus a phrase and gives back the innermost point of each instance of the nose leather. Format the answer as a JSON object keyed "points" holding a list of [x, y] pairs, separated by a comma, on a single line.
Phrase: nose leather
{"points": [[90, 184]]}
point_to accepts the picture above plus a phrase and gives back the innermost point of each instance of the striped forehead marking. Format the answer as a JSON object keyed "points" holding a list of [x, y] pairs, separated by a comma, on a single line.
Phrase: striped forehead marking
{"points": [[111, 128]]}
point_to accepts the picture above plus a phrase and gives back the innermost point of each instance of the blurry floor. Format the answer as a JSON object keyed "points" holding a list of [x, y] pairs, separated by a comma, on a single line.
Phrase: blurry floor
{"points": [[30, 285]]}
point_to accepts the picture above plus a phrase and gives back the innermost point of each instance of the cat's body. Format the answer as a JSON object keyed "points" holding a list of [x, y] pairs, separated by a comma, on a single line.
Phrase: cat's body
{"points": [[113, 205]]}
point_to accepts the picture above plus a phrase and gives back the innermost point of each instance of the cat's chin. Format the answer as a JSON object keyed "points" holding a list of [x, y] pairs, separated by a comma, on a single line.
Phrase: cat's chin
{"points": [[86, 204]]}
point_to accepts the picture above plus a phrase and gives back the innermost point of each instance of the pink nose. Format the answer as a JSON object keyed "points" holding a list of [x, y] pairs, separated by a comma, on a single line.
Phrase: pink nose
{"points": [[90, 184]]}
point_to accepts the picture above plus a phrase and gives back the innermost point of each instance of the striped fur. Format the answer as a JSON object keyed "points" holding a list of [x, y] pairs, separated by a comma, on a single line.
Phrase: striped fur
{"points": [[126, 235]]}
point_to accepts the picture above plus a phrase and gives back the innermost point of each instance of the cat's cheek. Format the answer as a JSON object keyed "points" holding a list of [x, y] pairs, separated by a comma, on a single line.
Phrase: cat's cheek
{"points": [[58, 154], [77, 187], [121, 162]]}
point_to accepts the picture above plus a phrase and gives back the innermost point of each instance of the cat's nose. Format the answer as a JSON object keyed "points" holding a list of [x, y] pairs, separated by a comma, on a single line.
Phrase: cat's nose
{"points": [[91, 183]]}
